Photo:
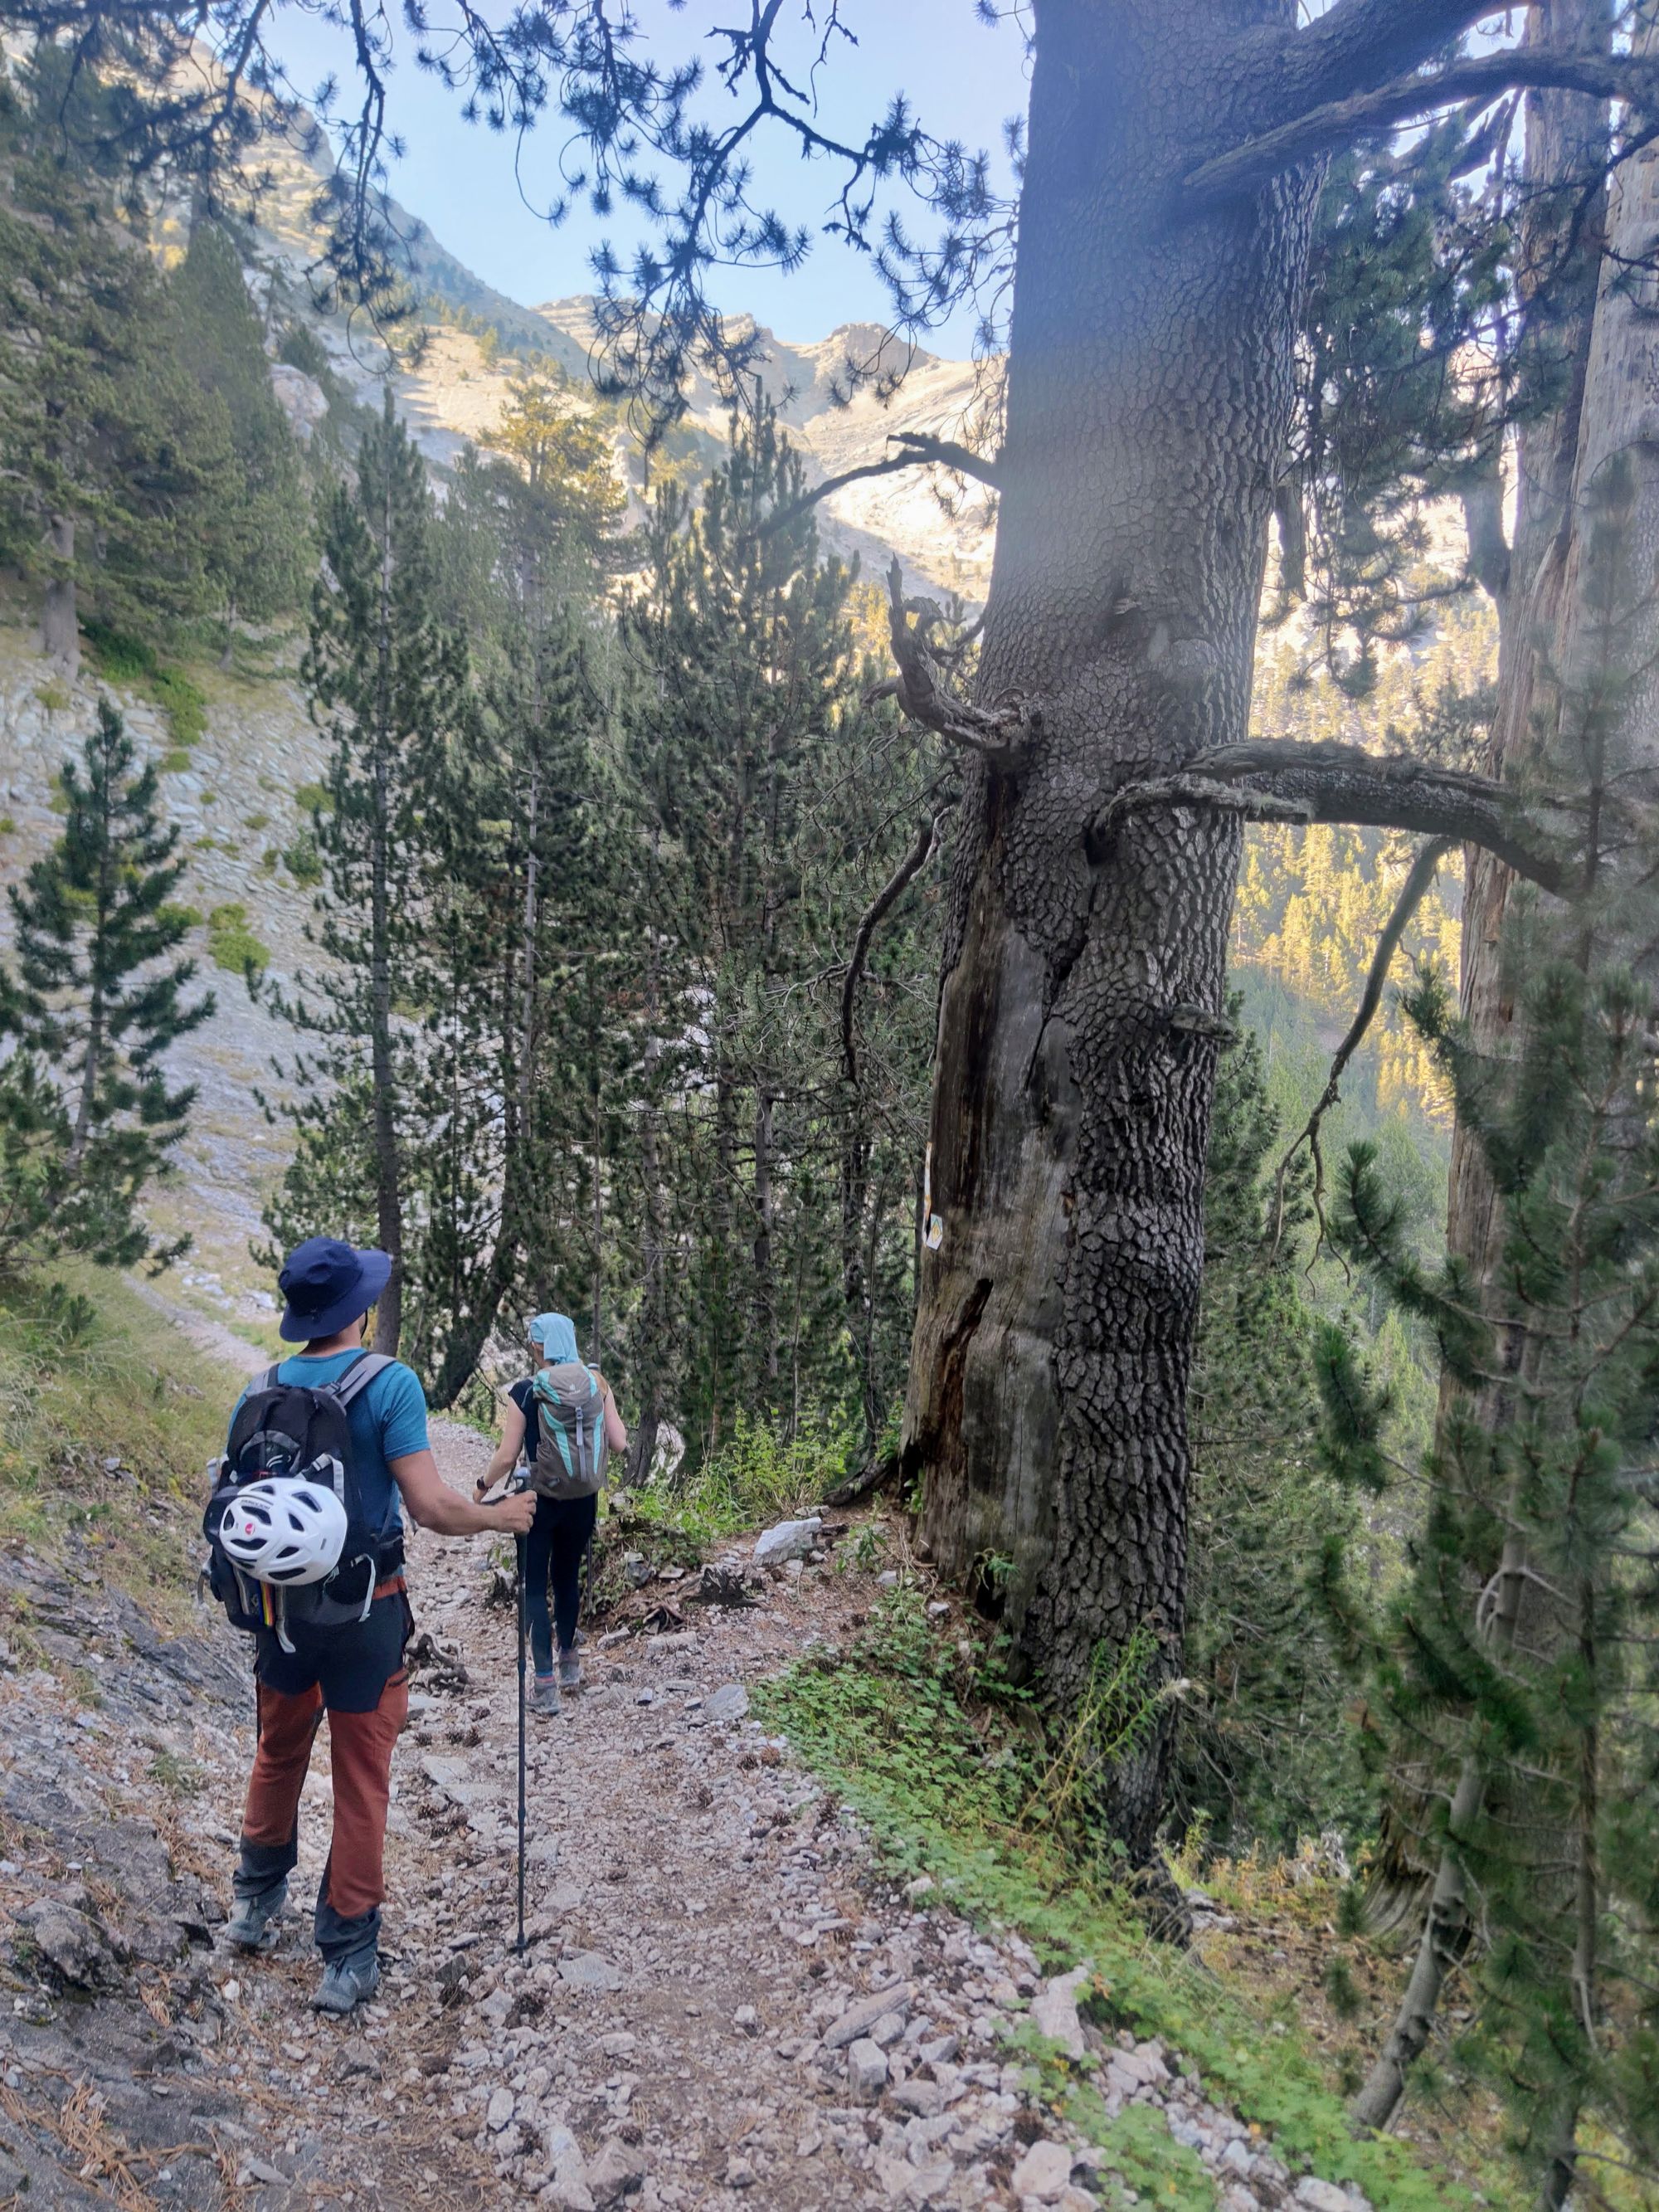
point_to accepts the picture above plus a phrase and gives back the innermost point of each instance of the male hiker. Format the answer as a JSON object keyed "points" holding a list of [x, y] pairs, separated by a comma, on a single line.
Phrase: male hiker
{"points": [[307, 1552]]}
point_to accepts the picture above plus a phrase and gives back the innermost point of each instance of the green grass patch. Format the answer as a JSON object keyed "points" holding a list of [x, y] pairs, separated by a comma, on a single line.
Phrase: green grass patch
{"points": [[123, 658], [312, 799], [175, 761], [758, 1475], [232, 942], [89, 1372], [255, 821], [942, 1756], [53, 695]]}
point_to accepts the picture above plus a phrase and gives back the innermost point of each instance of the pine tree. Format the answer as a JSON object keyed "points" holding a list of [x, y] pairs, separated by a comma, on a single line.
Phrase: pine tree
{"points": [[1265, 1752], [87, 1117], [772, 808], [257, 539], [389, 684], [113, 464]]}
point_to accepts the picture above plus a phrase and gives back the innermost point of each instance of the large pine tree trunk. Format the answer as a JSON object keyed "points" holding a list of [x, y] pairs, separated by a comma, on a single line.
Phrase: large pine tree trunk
{"points": [[60, 628], [1148, 407]]}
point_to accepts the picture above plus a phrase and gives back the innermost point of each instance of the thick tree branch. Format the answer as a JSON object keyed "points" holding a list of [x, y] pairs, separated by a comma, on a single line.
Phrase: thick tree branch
{"points": [[1001, 736], [882, 905], [1358, 44], [1340, 783], [1412, 894], [922, 452], [1472, 81]]}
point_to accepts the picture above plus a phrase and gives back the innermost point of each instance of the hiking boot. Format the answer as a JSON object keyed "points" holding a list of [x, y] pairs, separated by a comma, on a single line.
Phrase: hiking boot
{"points": [[544, 1698], [250, 1926], [348, 1983], [570, 1669]]}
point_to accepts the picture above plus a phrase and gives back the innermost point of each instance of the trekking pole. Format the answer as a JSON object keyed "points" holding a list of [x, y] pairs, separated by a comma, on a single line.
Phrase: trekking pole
{"points": [[521, 1546]]}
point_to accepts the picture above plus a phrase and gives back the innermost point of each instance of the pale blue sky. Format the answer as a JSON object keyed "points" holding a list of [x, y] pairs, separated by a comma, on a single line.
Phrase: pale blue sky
{"points": [[964, 78]]}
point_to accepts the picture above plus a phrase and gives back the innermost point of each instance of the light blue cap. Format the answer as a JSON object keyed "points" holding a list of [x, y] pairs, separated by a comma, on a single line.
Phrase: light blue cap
{"points": [[556, 1333]]}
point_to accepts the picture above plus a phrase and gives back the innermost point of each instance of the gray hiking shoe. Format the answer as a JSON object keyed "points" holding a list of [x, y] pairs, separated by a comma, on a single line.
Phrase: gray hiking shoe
{"points": [[348, 1983], [545, 1698], [571, 1671], [251, 1925]]}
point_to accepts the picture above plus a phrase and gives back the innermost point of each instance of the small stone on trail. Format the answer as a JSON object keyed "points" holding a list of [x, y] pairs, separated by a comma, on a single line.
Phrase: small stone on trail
{"points": [[789, 1539], [863, 2016], [1054, 2015], [925, 2098], [616, 2172], [867, 2068], [357, 2057], [746, 2020], [729, 1702], [1043, 2173], [919, 1887], [567, 2186], [500, 2109], [739, 2174], [586, 1970], [1322, 2196]]}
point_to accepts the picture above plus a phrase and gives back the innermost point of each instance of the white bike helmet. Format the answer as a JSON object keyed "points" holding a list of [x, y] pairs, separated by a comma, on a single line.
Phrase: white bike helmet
{"points": [[284, 1531]]}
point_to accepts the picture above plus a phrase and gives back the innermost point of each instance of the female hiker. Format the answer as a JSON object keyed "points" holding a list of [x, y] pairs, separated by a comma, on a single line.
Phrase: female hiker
{"points": [[563, 1420]]}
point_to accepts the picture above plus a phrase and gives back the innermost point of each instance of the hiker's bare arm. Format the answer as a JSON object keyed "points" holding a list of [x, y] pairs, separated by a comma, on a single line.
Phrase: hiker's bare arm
{"points": [[616, 1428], [434, 1505], [507, 1452]]}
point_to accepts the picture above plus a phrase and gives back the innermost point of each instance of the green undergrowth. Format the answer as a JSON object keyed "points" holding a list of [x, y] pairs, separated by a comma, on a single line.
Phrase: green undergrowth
{"points": [[90, 1373], [232, 942], [134, 662], [757, 1476], [942, 1755]]}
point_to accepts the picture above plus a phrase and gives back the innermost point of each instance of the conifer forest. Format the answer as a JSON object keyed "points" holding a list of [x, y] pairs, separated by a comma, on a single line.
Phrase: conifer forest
{"points": [[1038, 917]]}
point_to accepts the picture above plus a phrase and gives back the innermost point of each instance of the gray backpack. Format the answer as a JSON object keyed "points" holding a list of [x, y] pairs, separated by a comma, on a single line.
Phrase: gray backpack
{"points": [[568, 1461]]}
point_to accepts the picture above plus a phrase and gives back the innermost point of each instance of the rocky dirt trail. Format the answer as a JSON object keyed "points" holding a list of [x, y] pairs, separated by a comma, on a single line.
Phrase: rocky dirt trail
{"points": [[722, 2002]]}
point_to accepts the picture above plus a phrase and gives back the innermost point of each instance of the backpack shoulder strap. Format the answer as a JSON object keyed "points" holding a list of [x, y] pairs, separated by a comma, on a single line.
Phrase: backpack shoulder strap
{"points": [[358, 1376], [267, 1381]]}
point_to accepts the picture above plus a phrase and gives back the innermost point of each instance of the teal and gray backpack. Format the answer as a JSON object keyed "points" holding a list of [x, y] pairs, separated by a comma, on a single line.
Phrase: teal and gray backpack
{"points": [[568, 1456]]}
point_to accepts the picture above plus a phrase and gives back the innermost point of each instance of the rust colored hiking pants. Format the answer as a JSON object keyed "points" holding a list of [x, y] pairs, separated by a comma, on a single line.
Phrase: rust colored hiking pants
{"points": [[360, 1745]]}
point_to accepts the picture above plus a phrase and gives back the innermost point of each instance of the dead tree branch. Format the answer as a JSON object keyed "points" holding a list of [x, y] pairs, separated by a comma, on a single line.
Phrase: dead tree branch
{"points": [[1001, 736], [1474, 81], [1352, 47], [1332, 782], [1413, 892], [921, 450], [886, 898]]}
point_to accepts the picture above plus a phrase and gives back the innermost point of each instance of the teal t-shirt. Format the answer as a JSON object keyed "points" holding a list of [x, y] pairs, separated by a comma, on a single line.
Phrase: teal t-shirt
{"points": [[387, 1421]]}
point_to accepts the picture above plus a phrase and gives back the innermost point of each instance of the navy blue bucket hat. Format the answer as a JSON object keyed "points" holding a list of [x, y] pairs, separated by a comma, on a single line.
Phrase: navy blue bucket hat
{"points": [[328, 1284]]}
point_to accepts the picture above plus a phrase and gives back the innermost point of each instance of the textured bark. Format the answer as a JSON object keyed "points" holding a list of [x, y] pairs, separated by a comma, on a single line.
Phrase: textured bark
{"points": [[1149, 400], [60, 628]]}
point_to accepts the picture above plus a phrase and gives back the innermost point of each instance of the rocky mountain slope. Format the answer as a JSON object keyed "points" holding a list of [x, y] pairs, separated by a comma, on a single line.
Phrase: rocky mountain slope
{"points": [[454, 391]]}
